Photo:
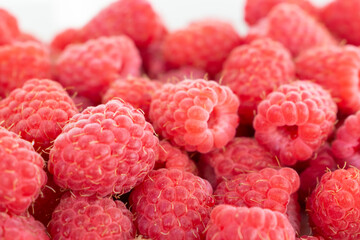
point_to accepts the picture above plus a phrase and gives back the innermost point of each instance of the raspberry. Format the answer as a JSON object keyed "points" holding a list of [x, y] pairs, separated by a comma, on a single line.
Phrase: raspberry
{"points": [[91, 67], [336, 68], [106, 149], [20, 62], [9, 29], [345, 147], [198, 115], [254, 70], [137, 91], [257, 9], [240, 155], [21, 172], [78, 217], [172, 204], [310, 238], [293, 212], [172, 157], [238, 223], [295, 120], [20, 227], [82, 102], [134, 18], [334, 205], [177, 75], [300, 32], [65, 38], [342, 18], [269, 188], [153, 60], [37, 112], [203, 44]]}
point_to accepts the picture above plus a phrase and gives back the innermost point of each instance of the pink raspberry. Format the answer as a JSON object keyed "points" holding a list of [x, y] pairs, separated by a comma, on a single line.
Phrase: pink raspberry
{"points": [[293, 212], [137, 91], [342, 18], [300, 32], [257, 9], [172, 204], [240, 155], [239, 223], [295, 120], [9, 29], [37, 112], [203, 44], [198, 115], [153, 60], [91, 67], [269, 188], [173, 157], [107, 149], [80, 217], [253, 71], [20, 227], [65, 38], [310, 238], [21, 171], [182, 73], [334, 205], [21, 61], [336, 68]]}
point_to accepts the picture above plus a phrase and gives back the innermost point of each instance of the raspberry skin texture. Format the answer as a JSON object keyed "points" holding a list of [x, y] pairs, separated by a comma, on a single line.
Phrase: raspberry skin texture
{"points": [[334, 205], [182, 73], [198, 115], [9, 29], [107, 149], [172, 204], [345, 147], [15, 227], [172, 157], [90, 68], [300, 32], [240, 155], [137, 91], [21, 171], [133, 18], [252, 71], [295, 120], [257, 9], [37, 112], [342, 18], [240, 223], [269, 188], [195, 45], [20, 62], [336, 68], [81, 217]]}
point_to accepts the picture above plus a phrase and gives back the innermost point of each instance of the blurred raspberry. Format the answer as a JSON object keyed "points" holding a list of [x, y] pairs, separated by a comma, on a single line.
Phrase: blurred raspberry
{"points": [[293, 212], [182, 73], [9, 29], [65, 38]]}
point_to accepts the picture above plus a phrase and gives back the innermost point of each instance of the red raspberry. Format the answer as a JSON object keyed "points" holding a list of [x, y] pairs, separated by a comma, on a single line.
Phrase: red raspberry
{"points": [[240, 155], [37, 112], [20, 62], [345, 147], [134, 18], [137, 91], [300, 32], [177, 75], [82, 102], [257, 9], [106, 149], [334, 205], [20, 227], [254, 70], [203, 44], [25, 37], [78, 217], [172, 157], [21, 171], [65, 38], [91, 67], [239, 223], [295, 120], [198, 115], [293, 212], [310, 238], [172, 204], [269, 188], [336, 69], [9, 29], [342, 18], [153, 60]]}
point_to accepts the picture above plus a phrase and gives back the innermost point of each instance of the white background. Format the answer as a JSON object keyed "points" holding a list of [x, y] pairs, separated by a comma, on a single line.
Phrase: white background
{"points": [[44, 18]]}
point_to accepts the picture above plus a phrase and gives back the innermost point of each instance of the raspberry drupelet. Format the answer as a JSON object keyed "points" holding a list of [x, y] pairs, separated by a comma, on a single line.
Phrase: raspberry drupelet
{"points": [[172, 204], [197, 115], [107, 149], [295, 120]]}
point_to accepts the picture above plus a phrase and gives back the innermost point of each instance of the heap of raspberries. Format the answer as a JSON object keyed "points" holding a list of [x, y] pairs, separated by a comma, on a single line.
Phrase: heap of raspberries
{"points": [[125, 129]]}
